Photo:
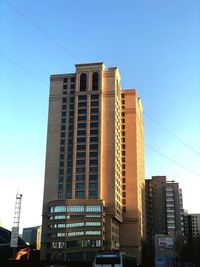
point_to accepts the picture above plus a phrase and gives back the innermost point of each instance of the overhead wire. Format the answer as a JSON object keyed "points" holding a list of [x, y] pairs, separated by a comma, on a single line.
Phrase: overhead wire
{"points": [[23, 68], [73, 56], [172, 134], [172, 160], [41, 30]]}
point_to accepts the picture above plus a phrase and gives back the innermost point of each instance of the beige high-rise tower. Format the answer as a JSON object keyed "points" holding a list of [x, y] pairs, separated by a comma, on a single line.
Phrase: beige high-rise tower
{"points": [[94, 177]]}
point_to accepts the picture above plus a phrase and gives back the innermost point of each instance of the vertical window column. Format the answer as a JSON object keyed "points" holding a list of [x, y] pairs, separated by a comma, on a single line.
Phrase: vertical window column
{"points": [[69, 170]]}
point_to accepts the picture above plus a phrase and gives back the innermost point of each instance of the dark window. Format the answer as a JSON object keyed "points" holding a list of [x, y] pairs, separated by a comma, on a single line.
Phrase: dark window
{"points": [[71, 99], [64, 100], [82, 111], [93, 169], [82, 104], [81, 132], [93, 139], [93, 177], [65, 80], [93, 124], [93, 162], [82, 118], [94, 117], [71, 113], [94, 110], [82, 97], [80, 154], [94, 146], [64, 107], [81, 139], [81, 125], [80, 162], [62, 135], [71, 120], [71, 127], [71, 106], [70, 134], [93, 154], [62, 156], [93, 132], [62, 142], [62, 149], [80, 177], [61, 163], [80, 186], [81, 147], [93, 185], [94, 104], [80, 169], [80, 194], [83, 82], [63, 114], [68, 195], [94, 96], [63, 121], [93, 194], [65, 87], [95, 81], [63, 128], [72, 86], [72, 80]]}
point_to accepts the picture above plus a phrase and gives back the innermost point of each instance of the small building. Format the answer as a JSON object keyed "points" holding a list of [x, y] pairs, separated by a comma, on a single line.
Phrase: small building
{"points": [[32, 236]]}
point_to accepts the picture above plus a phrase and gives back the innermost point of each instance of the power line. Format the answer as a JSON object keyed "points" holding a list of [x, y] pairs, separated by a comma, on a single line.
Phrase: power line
{"points": [[172, 134], [41, 30], [172, 160], [24, 68]]}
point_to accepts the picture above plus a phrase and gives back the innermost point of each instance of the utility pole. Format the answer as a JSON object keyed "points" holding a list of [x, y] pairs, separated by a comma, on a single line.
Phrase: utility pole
{"points": [[15, 228]]}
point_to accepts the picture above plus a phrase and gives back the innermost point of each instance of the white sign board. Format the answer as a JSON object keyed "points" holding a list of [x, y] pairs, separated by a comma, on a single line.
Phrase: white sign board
{"points": [[14, 237], [165, 243]]}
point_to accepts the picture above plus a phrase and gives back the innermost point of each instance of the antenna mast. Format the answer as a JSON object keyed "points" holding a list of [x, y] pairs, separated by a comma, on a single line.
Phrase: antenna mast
{"points": [[15, 228]]}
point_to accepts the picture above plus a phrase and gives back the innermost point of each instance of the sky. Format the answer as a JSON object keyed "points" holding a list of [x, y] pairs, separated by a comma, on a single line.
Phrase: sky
{"points": [[156, 46]]}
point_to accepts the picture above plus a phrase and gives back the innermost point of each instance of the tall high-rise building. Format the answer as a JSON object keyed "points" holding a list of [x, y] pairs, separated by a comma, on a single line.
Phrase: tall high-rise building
{"points": [[94, 176], [164, 207]]}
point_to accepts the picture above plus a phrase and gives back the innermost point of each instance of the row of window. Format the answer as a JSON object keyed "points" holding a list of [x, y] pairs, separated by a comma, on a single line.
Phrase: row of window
{"points": [[75, 244], [76, 208], [83, 81], [75, 224], [73, 216]]}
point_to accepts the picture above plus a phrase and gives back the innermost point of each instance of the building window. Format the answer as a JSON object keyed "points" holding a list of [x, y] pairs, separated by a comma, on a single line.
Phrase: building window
{"points": [[80, 194], [82, 97], [94, 117], [95, 81], [75, 208], [58, 209], [83, 82], [93, 139], [82, 118], [93, 208], [94, 110], [82, 104], [94, 96]]}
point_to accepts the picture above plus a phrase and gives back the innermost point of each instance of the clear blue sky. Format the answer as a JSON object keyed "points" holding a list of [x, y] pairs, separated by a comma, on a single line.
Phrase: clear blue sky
{"points": [[156, 46]]}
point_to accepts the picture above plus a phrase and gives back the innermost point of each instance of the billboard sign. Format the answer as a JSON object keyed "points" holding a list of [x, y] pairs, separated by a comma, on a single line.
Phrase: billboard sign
{"points": [[14, 237]]}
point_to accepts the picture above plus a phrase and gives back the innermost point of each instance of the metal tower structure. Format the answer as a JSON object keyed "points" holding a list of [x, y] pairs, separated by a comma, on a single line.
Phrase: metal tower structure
{"points": [[15, 228]]}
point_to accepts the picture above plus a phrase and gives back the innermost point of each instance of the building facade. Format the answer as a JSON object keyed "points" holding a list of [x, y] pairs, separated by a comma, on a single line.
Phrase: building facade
{"points": [[94, 174], [164, 208], [193, 227], [32, 236]]}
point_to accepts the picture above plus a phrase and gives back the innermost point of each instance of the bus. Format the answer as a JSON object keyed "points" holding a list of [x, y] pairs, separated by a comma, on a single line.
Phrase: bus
{"points": [[114, 258]]}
